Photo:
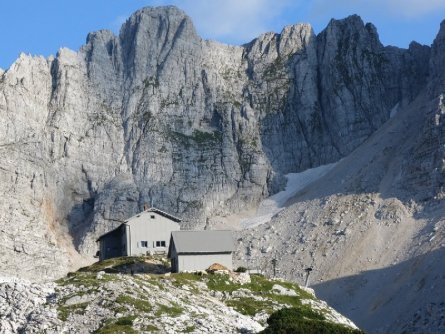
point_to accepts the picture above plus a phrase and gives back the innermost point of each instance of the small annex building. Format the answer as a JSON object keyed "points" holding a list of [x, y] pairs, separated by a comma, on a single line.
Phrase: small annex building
{"points": [[197, 250], [145, 233]]}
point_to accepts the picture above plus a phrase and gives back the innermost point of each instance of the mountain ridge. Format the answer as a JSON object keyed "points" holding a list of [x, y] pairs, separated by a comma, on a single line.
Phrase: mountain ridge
{"points": [[206, 130], [250, 109]]}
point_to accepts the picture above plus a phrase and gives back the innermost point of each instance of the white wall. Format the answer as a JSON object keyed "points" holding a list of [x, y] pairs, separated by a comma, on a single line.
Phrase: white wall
{"points": [[143, 227], [202, 262]]}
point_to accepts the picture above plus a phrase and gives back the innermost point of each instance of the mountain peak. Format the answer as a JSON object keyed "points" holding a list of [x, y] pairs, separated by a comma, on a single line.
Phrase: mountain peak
{"points": [[351, 20], [150, 16]]}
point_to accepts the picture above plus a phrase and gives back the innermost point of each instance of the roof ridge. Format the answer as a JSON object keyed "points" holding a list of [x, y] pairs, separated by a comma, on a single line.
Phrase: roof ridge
{"points": [[153, 209]]}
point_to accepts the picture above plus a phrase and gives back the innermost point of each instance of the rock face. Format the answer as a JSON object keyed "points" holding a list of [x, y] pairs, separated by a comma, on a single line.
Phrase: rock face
{"points": [[158, 115], [86, 302], [24, 307], [373, 228]]}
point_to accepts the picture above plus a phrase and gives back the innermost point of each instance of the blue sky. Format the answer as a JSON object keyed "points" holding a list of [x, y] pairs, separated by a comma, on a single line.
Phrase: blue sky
{"points": [[42, 27]]}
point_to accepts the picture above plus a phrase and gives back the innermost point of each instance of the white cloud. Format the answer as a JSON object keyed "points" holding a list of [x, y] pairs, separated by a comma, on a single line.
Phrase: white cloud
{"points": [[237, 21], [118, 22]]}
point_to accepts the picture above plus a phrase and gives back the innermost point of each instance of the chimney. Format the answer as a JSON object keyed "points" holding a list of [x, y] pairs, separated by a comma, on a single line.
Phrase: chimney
{"points": [[308, 272]]}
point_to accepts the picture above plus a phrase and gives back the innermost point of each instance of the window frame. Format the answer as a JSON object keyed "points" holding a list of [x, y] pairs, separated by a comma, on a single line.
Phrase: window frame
{"points": [[160, 244]]}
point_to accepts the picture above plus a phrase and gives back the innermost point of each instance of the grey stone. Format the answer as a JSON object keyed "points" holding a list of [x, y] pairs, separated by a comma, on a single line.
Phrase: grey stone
{"points": [[198, 128]]}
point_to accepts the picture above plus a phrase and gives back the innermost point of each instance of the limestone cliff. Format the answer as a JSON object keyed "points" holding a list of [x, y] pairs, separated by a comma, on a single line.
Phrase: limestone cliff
{"points": [[373, 228], [158, 115]]}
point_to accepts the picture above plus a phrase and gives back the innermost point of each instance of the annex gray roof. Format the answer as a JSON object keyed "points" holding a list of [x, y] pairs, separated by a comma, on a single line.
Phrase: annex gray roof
{"points": [[203, 241]]}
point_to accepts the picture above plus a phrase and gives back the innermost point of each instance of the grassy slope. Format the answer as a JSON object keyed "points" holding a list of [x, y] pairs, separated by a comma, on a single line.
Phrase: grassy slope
{"points": [[256, 299]]}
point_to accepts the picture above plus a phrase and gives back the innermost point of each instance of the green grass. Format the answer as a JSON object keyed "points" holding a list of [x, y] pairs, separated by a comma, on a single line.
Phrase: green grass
{"points": [[63, 312], [85, 279], [185, 277], [114, 329], [122, 325], [172, 311], [304, 321], [189, 329], [203, 137], [150, 328], [155, 282], [198, 137], [219, 282], [180, 279], [139, 304], [113, 265], [125, 321], [259, 286], [264, 298], [250, 306]]}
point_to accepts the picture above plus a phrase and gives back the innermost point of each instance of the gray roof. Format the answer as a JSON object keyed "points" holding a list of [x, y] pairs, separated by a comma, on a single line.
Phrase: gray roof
{"points": [[162, 213], [203, 241], [109, 232]]}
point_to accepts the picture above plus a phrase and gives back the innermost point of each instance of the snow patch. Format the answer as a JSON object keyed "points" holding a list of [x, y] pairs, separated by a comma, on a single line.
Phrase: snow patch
{"points": [[274, 204], [394, 110]]}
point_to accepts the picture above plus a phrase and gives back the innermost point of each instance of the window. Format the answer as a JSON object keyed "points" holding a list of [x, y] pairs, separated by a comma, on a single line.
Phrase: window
{"points": [[144, 244], [152, 216], [160, 243]]}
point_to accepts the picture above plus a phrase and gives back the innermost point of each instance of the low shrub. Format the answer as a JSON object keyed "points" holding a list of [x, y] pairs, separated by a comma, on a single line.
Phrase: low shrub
{"points": [[303, 321]]}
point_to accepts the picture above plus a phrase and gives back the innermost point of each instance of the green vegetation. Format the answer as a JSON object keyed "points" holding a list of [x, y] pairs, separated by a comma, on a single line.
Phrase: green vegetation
{"points": [[303, 321], [166, 103], [163, 149], [139, 304], [258, 284], [172, 311], [203, 137], [230, 74], [250, 306], [150, 328], [122, 325], [221, 283], [125, 321], [198, 137], [274, 69], [184, 278], [85, 279], [237, 104], [189, 329], [64, 311], [262, 288], [113, 265], [151, 81], [258, 296], [241, 269]]}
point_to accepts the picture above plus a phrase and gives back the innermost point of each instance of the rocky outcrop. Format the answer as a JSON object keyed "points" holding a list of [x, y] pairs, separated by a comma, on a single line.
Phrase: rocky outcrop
{"points": [[25, 307], [372, 228], [437, 63], [158, 115], [90, 301]]}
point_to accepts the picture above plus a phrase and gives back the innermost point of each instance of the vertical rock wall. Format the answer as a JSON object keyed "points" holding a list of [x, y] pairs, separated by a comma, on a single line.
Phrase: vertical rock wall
{"points": [[158, 115]]}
